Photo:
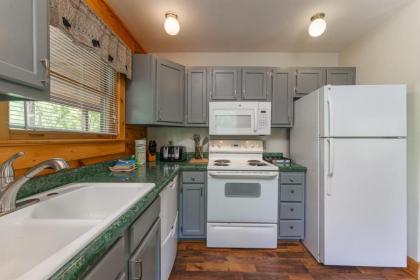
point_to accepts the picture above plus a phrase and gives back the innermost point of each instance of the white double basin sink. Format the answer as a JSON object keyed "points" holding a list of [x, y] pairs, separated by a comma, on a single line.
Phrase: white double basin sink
{"points": [[37, 240]]}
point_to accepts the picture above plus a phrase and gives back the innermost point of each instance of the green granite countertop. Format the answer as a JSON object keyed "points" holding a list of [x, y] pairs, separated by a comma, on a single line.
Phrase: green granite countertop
{"points": [[160, 173]]}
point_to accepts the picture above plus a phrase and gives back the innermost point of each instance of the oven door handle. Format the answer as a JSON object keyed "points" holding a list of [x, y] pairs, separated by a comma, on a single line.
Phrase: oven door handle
{"points": [[250, 175]]}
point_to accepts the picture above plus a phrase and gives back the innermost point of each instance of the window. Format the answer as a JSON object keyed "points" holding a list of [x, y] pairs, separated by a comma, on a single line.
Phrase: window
{"points": [[83, 93]]}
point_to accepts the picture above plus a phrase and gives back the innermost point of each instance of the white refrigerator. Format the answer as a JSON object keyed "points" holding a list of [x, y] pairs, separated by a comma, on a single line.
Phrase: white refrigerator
{"points": [[352, 139]]}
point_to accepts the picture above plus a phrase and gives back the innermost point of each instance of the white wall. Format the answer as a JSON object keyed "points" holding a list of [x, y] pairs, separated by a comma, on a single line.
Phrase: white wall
{"points": [[279, 140], [272, 59], [391, 54]]}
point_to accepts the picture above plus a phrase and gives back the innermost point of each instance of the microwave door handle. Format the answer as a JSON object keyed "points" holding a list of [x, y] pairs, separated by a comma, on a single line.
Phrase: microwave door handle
{"points": [[255, 121]]}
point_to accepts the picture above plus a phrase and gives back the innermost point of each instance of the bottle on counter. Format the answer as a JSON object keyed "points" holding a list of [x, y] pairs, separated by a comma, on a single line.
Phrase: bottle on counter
{"points": [[140, 151]]}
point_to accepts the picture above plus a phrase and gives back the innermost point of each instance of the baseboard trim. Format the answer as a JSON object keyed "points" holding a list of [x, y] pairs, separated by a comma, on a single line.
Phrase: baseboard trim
{"points": [[413, 268]]}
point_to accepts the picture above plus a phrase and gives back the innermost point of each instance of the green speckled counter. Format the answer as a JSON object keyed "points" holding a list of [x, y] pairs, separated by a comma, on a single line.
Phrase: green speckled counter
{"points": [[160, 173]]}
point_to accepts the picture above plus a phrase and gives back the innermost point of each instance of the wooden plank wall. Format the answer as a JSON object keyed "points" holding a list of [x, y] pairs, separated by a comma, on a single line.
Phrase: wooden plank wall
{"points": [[76, 148]]}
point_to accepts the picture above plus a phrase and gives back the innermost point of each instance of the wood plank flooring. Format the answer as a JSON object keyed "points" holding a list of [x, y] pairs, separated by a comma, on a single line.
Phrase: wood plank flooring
{"points": [[290, 261]]}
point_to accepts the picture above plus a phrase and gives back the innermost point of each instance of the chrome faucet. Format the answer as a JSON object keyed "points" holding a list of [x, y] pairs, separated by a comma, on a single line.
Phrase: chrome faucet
{"points": [[9, 187]]}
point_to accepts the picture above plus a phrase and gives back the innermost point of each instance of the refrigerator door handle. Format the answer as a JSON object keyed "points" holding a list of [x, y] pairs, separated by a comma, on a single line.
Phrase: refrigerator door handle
{"points": [[330, 164], [330, 116]]}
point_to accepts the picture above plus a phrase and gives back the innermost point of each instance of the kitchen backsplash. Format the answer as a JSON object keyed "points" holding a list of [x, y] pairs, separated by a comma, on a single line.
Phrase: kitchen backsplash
{"points": [[278, 141]]}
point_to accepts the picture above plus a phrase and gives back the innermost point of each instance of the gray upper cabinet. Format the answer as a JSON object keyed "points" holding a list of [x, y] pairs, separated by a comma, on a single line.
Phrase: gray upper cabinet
{"points": [[282, 98], [308, 80], [24, 50], [340, 76], [170, 91], [225, 84], [256, 83], [155, 94], [197, 100]]}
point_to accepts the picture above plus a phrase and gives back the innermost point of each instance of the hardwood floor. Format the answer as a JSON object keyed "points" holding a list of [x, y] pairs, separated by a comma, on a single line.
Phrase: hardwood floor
{"points": [[290, 261]]}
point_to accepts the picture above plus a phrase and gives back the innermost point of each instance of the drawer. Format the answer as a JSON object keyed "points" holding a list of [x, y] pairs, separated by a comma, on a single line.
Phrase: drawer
{"points": [[292, 178], [142, 225], [291, 229], [292, 193], [193, 177], [291, 211]]}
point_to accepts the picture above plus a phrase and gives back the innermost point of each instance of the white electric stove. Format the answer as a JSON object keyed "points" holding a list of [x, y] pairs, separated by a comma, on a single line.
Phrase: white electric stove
{"points": [[242, 200]]}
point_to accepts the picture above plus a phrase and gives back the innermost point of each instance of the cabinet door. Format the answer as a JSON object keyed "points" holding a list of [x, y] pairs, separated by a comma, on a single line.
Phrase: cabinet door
{"points": [[308, 80], [225, 84], [197, 101], [282, 98], [193, 211], [169, 91], [255, 83], [145, 262], [24, 49], [340, 76]]}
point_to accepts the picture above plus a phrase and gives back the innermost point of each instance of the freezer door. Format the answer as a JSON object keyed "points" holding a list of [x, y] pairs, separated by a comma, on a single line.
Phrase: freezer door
{"points": [[363, 219], [364, 111]]}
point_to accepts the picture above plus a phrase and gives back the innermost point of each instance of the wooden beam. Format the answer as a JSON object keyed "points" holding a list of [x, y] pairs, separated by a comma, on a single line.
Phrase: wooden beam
{"points": [[4, 120], [105, 12]]}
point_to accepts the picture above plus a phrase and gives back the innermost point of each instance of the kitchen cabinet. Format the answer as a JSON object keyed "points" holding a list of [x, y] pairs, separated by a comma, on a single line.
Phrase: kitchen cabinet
{"points": [[193, 206], [112, 265], [282, 98], [307, 80], [256, 83], [291, 205], [197, 100], [24, 50], [169, 91], [225, 83], [155, 94], [340, 76]]}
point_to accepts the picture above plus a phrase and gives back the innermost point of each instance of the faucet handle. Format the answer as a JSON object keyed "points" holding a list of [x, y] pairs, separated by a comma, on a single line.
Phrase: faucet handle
{"points": [[6, 168]]}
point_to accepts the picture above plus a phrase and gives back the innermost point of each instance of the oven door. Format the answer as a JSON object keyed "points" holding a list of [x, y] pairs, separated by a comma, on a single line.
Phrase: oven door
{"points": [[235, 121], [242, 196]]}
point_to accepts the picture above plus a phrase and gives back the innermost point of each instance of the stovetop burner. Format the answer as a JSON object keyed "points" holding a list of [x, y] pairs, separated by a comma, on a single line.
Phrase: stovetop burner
{"points": [[222, 161], [257, 163], [221, 164]]}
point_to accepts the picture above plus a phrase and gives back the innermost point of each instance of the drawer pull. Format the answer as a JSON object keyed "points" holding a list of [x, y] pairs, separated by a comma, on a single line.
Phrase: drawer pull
{"points": [[291, 227], [192, 179], [291, 180], [292, 209], [140, 266], [292, 191]]}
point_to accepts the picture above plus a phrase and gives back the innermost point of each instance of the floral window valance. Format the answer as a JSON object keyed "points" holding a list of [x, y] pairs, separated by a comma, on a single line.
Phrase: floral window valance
{"points": [[85, 28]]}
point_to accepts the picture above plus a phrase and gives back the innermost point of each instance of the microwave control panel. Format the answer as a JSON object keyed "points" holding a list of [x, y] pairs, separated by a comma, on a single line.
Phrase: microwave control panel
{"points": [[264, 118]]}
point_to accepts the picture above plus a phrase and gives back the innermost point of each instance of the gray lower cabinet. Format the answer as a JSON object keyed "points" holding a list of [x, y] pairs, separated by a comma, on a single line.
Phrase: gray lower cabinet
{"points": [[256, 83], [292, 205], [282, 98], [340, 76], [225, 83], [197, 99], [136, 254], [113, 265], [24, 50], [307, 80], [193, 216], [155, 94]]}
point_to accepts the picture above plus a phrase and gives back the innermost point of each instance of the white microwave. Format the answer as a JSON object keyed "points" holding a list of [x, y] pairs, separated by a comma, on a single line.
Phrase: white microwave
{"points": [[240, 118]]}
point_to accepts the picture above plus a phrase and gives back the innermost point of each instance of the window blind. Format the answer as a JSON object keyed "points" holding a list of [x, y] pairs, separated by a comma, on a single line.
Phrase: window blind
{"points": [[83, 93]]}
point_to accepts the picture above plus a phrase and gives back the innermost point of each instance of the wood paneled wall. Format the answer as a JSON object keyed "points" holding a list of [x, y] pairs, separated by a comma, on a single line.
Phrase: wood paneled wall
{"points": [[77, 148]]}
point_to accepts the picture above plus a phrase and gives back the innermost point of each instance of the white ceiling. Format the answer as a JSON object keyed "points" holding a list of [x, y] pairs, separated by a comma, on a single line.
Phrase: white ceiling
{"points": [[251, 25]]}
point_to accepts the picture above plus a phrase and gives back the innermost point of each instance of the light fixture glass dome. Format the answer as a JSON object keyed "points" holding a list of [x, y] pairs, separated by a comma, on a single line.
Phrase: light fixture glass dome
{"points": [[171, 24], [318, 25]]}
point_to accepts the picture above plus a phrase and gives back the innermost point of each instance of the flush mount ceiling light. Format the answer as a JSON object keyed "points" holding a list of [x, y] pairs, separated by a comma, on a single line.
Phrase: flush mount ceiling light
{"points": [[171, 23], [318, 25]]}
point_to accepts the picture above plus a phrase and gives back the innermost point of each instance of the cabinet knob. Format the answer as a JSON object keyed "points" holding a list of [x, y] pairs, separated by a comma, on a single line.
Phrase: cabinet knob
{"points": [[192, 179], [291, 180], [292, 191], [292, 209], [291, 227]]}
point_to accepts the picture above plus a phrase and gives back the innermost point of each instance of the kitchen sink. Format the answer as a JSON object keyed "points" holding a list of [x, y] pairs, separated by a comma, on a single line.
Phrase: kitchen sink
{"points": [[93, 202], [39, 239]]}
